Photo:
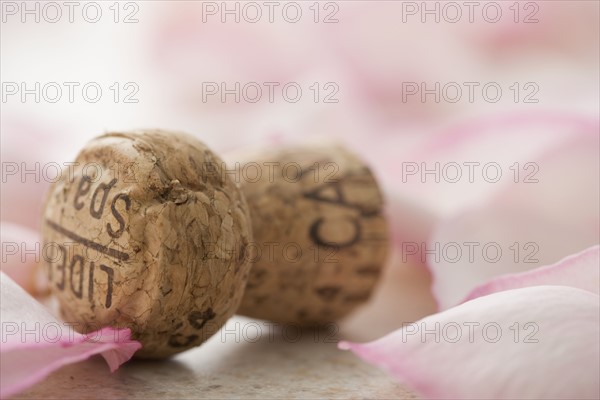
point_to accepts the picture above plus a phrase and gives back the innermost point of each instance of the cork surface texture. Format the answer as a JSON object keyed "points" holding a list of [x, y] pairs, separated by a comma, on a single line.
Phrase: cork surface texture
{"points": [[147, 233], [320, 239]]}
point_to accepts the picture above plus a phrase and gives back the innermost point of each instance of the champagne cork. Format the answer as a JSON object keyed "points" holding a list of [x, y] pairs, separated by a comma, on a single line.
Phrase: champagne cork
{"points": [[144, 238], [321, 240]]}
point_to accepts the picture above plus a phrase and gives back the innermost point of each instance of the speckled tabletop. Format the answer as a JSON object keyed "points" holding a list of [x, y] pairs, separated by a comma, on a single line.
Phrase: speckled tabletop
{"points": [[254, 359]]}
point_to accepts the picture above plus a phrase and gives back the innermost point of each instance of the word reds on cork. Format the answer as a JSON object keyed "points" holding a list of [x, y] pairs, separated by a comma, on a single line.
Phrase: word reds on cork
{"points": [[151, 232]]}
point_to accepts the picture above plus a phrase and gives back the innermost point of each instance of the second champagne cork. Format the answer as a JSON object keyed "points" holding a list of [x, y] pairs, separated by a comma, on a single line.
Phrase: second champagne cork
{"points": [[320, 236]]}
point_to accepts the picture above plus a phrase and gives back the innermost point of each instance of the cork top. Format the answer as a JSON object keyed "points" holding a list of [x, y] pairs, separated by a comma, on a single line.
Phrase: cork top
{"points": [[149, 235]]}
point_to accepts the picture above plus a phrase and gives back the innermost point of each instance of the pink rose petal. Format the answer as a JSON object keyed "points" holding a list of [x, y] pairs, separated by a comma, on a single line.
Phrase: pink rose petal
{"points": [[523, 226], [504, 139], [532, 343], [580, 270], [35, 343]]}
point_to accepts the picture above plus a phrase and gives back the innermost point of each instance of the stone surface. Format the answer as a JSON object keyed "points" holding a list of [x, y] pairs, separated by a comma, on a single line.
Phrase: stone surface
{"points": [[271, 367], [266, 367]]}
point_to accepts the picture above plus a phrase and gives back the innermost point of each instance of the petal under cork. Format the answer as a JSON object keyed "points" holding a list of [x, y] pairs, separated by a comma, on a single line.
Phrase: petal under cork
{"points": [[538, 342], [35, 343]]}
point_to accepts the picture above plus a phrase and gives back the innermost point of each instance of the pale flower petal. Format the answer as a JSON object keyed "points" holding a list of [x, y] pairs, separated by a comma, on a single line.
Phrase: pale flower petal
{"points": [[549, 212], [580, 270], [538, 342], [35, 343]]}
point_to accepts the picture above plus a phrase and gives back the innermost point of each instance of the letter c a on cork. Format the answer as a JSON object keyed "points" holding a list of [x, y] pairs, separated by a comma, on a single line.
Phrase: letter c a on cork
{"points": [[320, 235]]}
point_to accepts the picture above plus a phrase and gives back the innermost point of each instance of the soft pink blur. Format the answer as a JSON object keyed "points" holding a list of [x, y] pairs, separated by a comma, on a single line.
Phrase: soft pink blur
{"points": [[370, 55]]}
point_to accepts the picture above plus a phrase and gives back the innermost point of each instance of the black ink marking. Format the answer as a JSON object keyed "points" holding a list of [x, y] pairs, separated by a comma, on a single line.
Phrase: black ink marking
{"points": [[77, 259], [338, 198], [119, 255], [110, 274], [317, 194], [91, 283], [242, 253], [179, 340], [368, 270], [97, 213], [328, 293], [257, 278], [260, 299], [81, 191], [357, 298], [62, 267], [199, 318], [112, 233]]}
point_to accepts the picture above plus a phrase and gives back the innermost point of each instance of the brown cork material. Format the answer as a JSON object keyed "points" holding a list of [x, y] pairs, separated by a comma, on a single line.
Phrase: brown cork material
{"points": [[147, 233], [321, 240]]}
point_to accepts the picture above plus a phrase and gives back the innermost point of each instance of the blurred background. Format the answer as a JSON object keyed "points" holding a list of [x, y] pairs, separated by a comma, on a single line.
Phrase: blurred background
{"points": [[359, 65], [391, 79], [402, 83]]}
